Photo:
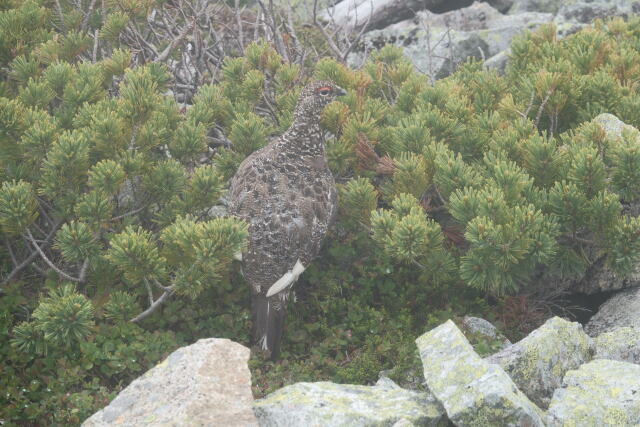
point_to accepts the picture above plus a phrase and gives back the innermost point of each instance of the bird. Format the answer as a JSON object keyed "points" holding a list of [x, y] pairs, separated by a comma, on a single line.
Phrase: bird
{"points": [[287, 195]]}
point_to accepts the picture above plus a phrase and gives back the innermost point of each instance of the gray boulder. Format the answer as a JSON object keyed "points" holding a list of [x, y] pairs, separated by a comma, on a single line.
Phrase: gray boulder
{"points": [[206, 383], [538, 362], [600, 393], [623, 309], [472, 390], [437, 43], [329, 404], [621, 344]]}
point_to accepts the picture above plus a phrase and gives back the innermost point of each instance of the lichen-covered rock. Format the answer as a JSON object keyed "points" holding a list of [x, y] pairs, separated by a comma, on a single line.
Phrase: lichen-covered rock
{"points": [[472, 391], [612, 125], [204, 384], [436, 43], [477, 327], [621, 344], [538, 362], [329, 404], [622, 309], [600, 393]]}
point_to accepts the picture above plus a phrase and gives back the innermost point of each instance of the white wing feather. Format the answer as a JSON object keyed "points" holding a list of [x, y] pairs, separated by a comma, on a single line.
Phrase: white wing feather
{"points": [[287, 279]]}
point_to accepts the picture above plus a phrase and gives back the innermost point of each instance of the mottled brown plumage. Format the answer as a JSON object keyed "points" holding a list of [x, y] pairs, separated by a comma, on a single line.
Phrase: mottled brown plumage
{"points": [[287, 194]]}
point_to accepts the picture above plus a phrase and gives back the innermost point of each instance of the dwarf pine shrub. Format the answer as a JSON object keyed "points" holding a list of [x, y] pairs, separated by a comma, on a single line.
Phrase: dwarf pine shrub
{"points": [[476, 185]]}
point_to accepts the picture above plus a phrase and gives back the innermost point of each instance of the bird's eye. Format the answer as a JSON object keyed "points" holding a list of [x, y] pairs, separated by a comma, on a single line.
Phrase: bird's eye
{"points": [[324, 91]]}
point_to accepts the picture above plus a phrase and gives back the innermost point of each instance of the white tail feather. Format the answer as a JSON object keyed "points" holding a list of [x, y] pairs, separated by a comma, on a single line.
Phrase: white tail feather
{"points": [[238, 256], [287, 279], [263, 342]]}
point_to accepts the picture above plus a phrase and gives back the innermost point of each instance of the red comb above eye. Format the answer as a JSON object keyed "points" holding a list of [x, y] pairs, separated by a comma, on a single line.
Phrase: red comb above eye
{"points": [[323, 88]]}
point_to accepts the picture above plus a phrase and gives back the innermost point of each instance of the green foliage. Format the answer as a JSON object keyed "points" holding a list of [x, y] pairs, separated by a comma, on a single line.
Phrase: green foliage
{"points": [[64, 319], [18, 206], [408, 235], [449, 192], [101, 185]]}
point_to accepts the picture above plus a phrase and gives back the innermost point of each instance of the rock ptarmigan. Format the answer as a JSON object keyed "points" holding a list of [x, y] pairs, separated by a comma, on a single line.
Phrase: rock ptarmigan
{"points": [[287, 195]]}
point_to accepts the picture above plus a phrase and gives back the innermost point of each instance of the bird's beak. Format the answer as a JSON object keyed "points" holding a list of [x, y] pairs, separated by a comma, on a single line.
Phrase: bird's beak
{"points": [[341, 92]]}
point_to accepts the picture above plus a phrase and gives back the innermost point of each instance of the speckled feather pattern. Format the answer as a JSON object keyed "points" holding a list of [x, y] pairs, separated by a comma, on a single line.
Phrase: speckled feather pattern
{"points": [[286, 192]]}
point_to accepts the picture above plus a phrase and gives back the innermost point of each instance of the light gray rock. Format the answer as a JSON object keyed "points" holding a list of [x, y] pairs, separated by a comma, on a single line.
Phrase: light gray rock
{"points": [[600, 393], [571, 15], [375, 14], [386, 382], [472, 391], [498, 61], [545, 6], [601, 278], [621, 344], [478, 16], [623, 309], [437, 43], [329, 404], [206, 383], [477, 325], [538, 362], [585, 13]]}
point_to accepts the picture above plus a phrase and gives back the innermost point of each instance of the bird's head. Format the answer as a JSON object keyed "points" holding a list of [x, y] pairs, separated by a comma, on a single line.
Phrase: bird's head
{"points": [[315, 96]]}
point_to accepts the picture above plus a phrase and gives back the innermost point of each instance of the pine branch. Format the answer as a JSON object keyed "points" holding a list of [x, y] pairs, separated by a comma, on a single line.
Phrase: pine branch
{"points": [[49, 262], [10, 249], [83, 270], [85, 20], [149, 311], [24, 264], [126, 214], [167, 51], [149, 291], [542, 105]]}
